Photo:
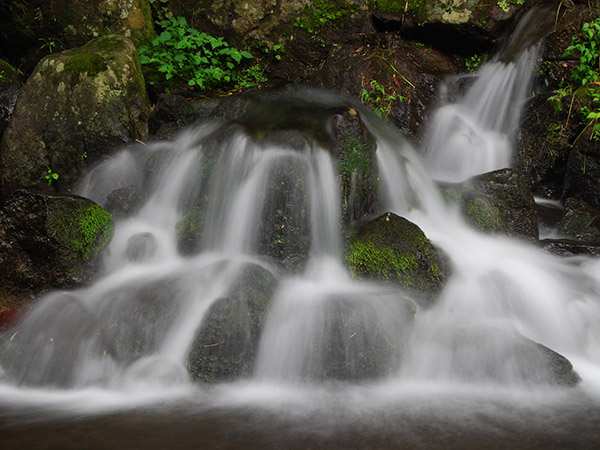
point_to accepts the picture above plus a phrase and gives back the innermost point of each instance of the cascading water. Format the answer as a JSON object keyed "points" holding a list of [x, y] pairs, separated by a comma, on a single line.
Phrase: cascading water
{"points": [[329, 342]]}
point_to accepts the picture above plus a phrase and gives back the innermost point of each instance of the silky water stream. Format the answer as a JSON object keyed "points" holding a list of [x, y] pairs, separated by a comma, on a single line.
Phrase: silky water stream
{"points": [[107, 366]]}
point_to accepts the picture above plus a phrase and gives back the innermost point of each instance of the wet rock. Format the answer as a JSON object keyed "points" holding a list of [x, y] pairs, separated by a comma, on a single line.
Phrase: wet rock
{"points": [[141, 247], [76, 107], [173, 112], [227, 341], [397, 80], [358, 342], [189, 231], [560, 369], [583, 170], [9, 91], [393, 250], [461, 25], [49, 241], [497, 202], [123, 202], [581, 221], [565, 247], [30, 30]]}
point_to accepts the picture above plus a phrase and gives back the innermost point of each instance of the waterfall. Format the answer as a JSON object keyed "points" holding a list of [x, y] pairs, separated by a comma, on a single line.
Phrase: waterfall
{"points": [[220, 201]]}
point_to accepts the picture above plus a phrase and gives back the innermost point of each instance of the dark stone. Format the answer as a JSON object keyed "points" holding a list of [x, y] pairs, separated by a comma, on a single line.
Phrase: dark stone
{"points": [[581, 221], [226, 344], [49, 241], [123, 202], [393, 250], [564, 247], [173, 112], [497, 202], [141, 247]]}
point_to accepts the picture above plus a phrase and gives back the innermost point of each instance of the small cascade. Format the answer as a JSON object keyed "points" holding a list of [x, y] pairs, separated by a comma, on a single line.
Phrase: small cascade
{"points": [[472, 131]]}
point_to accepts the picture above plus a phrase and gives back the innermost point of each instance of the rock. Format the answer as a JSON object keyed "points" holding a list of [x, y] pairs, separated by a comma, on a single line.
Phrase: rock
{"points": [[497, 202], [362, 337], [581, 221], [33, 29], [141, 247], [565, 247], [173, 112], [355, 147], [393, 250], [9, 91], [560, 369], [49, 242], [583, 170], [396, 79], [227, 341], [459, 25], [76, 107], [123, 202], [189, 231]]}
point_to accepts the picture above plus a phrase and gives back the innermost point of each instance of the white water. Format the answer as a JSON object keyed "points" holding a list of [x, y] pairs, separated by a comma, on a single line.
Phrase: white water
{"points": [[471, 341]]}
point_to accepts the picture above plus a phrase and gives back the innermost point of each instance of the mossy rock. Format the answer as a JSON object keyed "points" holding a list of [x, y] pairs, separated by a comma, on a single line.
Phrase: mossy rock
{"points": [[395, 251], [496, 202], [189, 231], [9, 92], [581, 221], [50, 241], [226, 343], [76, 107]]}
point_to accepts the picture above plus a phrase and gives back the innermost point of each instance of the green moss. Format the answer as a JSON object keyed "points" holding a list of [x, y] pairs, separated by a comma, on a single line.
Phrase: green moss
{"points": [[355, 159], [320, 13], [483, 214], [416, 8], [365, 258], [89, 63], [85, 229]]}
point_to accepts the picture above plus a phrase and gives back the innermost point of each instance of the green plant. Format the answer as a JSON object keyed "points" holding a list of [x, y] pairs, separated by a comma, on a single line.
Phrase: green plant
{"points": [[474, 62], [48, 44], [585, 79], [183, 53], [375, 97], [505, 5], [51, 176]]}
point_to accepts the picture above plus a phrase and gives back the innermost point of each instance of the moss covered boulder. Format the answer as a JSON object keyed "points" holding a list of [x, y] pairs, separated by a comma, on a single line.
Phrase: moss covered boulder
{"points": [[396, 251], [497, 202], [31, 29], [226, 343], [49, 241], [581, 221], [75, 108]]}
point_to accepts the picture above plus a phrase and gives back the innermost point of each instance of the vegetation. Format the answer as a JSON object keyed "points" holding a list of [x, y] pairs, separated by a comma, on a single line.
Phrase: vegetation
{"points": [[584, 79], [364, 258], [319, 13], [506, 4], [375, 97]]}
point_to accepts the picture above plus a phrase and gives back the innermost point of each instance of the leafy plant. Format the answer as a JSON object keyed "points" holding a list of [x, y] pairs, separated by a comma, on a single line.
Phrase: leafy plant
{"points": [[181, 52], [375, 97], [51, 176], [585, 79], [505, 5]]}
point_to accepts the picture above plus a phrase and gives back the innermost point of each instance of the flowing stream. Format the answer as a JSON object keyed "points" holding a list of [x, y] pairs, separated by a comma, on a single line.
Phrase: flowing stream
{"points": [[123, 343]]}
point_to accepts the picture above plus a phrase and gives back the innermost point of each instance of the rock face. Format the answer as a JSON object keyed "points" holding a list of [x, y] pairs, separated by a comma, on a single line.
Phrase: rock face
{"points": [[31, 29], [9, 91], [497, 202], [226, 344], [75, 108], [49, 241], [396, 251]]}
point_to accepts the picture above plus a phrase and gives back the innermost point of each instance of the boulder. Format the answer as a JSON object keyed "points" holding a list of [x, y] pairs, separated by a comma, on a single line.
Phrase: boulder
{"points": [[30, 30], [75, 108], [581, 222], [497, 202], [49, 242], [226, 343], [458, 25], [395, 251], [398, 80]]}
